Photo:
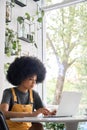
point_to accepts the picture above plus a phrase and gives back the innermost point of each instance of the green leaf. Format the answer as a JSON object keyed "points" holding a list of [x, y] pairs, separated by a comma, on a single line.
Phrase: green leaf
{"points": [[39, 19], [20, 19], [42, 13], [27, 16], [37, 12], [14, 45], [32, 18]]}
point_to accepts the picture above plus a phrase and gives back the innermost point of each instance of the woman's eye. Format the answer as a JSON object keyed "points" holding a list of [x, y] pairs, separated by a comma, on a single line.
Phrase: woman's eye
{"points": [[32, 79]]}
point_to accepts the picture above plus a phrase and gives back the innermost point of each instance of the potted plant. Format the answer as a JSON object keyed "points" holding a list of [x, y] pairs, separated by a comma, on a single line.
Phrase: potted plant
{"points": [[23, 31], [24, 28], [29, 35], [12, 44]]}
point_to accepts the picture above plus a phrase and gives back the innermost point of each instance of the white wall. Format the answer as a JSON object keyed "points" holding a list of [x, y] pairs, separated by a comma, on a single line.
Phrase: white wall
{"points": [[2, 41], [16, 11]]}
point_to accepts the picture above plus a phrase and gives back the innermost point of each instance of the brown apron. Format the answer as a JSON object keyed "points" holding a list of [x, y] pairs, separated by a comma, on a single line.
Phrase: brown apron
{"points": [[20, 108]]}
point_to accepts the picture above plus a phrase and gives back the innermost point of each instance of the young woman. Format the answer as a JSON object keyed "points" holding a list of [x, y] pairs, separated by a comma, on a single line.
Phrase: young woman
{"points": [[22, 101]]}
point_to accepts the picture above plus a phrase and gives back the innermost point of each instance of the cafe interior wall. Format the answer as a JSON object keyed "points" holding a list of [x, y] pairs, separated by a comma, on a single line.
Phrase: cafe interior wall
{"points": [[26, 47]]}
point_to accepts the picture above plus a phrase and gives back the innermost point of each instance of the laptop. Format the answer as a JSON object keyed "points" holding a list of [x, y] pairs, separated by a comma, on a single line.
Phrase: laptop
{"points": [[69, 104]]}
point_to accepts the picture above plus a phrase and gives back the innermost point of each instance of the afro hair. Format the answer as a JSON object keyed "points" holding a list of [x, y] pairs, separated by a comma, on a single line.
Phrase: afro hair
{"points": [[25, 67]]}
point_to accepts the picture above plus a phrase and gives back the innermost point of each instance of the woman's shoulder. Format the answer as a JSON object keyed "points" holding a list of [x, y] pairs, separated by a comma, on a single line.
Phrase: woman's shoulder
{"points": [[7, 90]]}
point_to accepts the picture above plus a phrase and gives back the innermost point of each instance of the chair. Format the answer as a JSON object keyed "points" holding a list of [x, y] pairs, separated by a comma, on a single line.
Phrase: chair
{"points": [[3, 124], [36, 126]]}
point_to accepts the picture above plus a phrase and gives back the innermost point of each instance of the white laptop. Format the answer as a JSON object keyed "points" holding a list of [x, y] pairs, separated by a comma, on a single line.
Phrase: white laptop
{"points": [[69, 104]]}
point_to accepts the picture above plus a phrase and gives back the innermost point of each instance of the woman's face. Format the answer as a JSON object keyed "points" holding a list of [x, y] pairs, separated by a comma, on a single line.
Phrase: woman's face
{"points": [[29, 82]]}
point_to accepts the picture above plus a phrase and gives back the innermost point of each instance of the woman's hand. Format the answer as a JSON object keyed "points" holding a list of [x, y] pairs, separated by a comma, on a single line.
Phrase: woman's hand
{"points": [[43, 111], [53, 112]]}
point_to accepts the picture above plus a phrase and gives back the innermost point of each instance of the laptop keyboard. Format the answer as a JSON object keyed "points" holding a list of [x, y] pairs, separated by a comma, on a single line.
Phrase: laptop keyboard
{"points": [[54, 116]]}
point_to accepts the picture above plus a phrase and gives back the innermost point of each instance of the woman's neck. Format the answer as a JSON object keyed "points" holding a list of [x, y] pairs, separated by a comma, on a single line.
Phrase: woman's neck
{"points": [[22, 89]]}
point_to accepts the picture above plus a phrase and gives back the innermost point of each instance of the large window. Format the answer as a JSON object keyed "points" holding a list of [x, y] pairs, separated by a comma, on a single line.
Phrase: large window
{"points": [[66, 48]]}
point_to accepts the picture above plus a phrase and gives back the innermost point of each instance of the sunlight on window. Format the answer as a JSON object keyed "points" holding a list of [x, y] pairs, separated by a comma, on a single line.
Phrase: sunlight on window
{"points": [[66, 49]]}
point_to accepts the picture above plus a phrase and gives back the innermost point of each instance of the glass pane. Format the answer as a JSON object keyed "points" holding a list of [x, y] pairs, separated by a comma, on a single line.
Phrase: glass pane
{"points": [[66, 48], [8, 11]]}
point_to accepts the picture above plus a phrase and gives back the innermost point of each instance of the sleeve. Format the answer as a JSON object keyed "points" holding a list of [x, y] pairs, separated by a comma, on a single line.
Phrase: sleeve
{"points": [[6, 98], [37, 101]]}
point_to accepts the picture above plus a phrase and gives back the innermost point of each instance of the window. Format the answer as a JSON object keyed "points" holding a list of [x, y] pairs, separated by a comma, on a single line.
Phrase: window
{"points": [[66, 51]]}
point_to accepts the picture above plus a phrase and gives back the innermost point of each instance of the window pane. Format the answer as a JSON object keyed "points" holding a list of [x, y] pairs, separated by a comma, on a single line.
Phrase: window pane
{"points": [[66, 48]]}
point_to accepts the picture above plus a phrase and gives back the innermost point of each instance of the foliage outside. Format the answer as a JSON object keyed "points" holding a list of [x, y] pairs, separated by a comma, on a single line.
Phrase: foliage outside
{"points": [[53, 126], [67, 48], [66, 41]]}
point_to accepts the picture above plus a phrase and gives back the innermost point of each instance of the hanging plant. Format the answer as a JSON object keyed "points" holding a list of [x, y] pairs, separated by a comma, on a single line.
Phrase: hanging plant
{"points": [[24, 28], [40, 15], [20, 19], [6, 66], [12, 44], [30, 35]]}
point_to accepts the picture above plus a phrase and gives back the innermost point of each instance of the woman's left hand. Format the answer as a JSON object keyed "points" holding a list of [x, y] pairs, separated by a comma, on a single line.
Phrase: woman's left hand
{"points": [[53, 112]]}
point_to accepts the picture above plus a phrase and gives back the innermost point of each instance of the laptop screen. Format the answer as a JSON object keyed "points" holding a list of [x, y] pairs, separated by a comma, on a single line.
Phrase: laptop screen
{"points": [[69, 103]]}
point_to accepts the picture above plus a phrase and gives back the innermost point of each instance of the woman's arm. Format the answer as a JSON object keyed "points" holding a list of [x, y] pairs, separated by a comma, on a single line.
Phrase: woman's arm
{"points": [[4, 107], [9, 114]]}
